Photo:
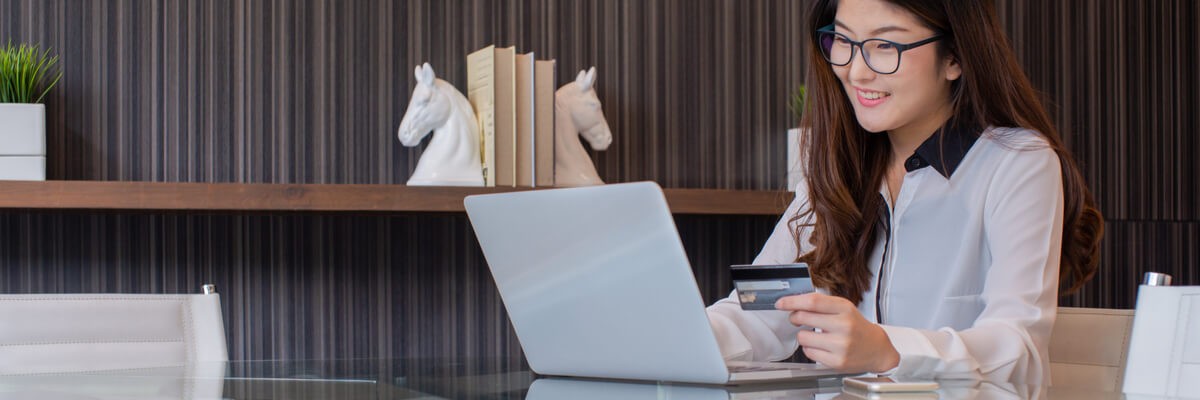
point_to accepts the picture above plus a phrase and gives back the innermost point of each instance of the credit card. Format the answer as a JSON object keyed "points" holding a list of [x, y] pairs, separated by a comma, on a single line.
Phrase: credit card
{"points": [[758, 287]]}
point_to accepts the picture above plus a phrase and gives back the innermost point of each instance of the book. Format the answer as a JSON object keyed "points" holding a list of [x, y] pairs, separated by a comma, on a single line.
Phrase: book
{"points": [[543, 131], [506, 116], [481, 92], [526, 115]]}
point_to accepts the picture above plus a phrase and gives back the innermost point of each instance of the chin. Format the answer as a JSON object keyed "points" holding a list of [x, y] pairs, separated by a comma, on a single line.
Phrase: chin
{"points": [[872, 120], [874, 126]]}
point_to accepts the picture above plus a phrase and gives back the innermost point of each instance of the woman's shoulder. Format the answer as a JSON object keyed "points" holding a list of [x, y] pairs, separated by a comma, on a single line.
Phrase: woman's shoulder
{"points": [[1009, 145], [1012, 155], [1014, 139]]}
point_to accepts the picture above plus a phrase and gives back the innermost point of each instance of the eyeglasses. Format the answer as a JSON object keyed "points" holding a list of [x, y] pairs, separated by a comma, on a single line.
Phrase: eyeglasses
{"points": [[882, 56]]}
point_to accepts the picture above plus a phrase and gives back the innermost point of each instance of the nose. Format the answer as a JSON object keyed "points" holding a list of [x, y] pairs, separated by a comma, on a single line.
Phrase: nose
{"points": [[859, 71], [600, 137], [406, 134]]}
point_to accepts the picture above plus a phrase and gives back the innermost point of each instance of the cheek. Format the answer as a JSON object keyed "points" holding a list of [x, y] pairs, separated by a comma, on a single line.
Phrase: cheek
{"points": [[926, 94], [923, 78], [844, 80], [842, 73], [581, 116], [438, 109]]}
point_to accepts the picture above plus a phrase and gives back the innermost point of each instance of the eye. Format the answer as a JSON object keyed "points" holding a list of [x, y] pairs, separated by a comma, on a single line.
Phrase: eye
{"points": [[841, 40], [885, 46]]}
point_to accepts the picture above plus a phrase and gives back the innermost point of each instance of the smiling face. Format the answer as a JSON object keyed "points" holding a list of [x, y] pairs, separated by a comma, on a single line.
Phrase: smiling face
{"points": [[913, 100]]}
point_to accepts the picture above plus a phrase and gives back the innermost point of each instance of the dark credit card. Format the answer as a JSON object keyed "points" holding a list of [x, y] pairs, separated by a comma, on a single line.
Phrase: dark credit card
{"points": [[760, 286]]}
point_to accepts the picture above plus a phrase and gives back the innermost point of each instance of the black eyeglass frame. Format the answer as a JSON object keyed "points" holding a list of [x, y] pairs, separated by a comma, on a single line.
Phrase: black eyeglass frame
{"points": [[900, 48]]}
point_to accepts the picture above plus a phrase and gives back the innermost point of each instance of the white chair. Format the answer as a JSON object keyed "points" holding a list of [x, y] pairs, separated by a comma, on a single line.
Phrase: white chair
{"points": [[61, 333], [1151, 353], [1089, 348]]}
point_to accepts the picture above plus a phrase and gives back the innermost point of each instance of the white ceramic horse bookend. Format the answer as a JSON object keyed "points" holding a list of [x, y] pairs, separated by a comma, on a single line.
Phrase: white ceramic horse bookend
{"points": [[577, 113], [452, 157]]}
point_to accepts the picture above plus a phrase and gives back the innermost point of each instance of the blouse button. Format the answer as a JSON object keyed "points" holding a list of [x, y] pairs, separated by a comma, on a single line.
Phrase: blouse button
{"points": [[913, 163]]}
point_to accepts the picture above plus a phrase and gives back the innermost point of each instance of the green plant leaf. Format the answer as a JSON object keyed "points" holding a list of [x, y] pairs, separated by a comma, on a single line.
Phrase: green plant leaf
{"points": [[26, 71], [798, 103]]}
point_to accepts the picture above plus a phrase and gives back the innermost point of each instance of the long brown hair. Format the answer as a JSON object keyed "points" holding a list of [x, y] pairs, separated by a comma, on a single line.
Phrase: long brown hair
{"points": [[846, 164]]}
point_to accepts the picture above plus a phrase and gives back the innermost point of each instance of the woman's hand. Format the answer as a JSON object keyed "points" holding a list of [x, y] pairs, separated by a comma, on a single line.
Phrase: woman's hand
{"points": [[846, 341]]}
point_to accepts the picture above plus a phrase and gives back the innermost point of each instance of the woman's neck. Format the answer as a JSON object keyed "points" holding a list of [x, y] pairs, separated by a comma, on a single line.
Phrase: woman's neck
{"points": [[906, 139]]}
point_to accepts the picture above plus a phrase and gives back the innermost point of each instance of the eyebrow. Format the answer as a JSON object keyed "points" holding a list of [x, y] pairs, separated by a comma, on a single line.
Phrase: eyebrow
{"points": [[885, 29]]}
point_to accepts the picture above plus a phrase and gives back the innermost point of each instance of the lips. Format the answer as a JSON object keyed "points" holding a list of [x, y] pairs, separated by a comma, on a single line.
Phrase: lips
{"points": [[871, 98]]}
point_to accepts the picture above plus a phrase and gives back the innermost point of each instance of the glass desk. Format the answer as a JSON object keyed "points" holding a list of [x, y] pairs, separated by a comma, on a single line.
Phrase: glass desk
{"points": [[443, 379]]}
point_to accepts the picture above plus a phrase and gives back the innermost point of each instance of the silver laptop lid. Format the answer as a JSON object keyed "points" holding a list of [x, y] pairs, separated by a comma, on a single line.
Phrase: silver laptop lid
{"points": [[597, 284]]}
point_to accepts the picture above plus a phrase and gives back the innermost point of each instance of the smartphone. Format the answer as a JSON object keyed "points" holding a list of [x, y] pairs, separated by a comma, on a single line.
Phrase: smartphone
{"points": [[888, 385], [855, 394]]}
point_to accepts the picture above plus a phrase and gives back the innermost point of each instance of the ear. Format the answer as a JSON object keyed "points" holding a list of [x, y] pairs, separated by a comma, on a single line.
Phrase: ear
{"points": [[953, 69], [580, 80], [425, 74], [586, 79]]}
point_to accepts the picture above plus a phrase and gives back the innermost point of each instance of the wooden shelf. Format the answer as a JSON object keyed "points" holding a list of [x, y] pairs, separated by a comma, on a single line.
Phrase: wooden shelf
{"points": [[321, 198]]}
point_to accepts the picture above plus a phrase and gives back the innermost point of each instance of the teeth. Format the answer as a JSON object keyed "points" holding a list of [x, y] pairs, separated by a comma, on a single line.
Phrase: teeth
{"points": [[873, 95]]}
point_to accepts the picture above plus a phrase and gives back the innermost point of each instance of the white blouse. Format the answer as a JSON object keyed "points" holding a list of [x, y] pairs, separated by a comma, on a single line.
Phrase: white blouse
{"points": [[970, 287]]}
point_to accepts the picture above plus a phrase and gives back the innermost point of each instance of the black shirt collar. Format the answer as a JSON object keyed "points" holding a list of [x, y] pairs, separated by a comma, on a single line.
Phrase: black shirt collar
{"points": [[944, 151]]}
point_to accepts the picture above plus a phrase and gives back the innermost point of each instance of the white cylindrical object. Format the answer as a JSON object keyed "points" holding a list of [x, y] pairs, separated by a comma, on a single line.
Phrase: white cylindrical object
{"points": [[1156, 279]]}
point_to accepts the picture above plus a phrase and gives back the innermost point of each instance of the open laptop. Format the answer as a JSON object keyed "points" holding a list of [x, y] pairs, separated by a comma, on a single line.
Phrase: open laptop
{"points": [[597, 284], [557, 388]]}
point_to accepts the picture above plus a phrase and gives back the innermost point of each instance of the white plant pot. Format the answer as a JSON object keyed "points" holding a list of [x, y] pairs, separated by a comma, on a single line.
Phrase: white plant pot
{"points": [[22, 141], [795, 166]]}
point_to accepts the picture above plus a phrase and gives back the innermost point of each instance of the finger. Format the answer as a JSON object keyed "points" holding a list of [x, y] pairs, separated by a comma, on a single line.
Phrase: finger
{"points": [[822, 357], [815, 302], [826, 322], [831, 342], [810, 339]]}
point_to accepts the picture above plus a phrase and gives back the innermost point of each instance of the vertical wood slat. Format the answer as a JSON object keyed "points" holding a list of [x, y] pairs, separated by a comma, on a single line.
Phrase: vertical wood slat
{"points": [[304, 287], [311, 91]]}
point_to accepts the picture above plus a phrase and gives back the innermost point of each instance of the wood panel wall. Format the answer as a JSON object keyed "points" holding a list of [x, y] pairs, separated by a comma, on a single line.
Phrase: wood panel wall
{"points": [[311, 91], [1120, 79], [304, 286]]}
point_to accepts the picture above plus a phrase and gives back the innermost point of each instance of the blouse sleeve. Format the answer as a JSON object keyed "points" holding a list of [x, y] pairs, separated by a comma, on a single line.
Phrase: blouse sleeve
{"points": [[1009, 340], [761, 335]]}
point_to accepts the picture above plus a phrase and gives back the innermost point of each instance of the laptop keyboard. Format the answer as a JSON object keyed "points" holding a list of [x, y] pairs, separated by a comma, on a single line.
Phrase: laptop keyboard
{"points": [[767, 366], [753, 368]]}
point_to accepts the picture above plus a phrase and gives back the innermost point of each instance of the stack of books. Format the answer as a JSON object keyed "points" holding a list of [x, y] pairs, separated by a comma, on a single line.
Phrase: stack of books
{"points": [[513, 97]]}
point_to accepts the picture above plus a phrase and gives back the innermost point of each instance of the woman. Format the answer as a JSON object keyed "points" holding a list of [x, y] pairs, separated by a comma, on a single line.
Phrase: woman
{"points": [[939, 211]]}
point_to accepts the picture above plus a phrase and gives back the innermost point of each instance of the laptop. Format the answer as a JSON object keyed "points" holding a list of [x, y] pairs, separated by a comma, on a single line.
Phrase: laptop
{"points": [[597, 284], [587, 389]]}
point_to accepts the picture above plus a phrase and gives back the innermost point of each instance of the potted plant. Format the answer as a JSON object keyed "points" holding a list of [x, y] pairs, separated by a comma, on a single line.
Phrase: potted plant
{"points": [[796, 104], [27, 73]]}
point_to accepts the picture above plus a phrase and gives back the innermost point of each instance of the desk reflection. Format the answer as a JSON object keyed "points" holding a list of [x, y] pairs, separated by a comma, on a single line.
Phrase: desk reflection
{"points": [[953, 390], [565, 388], [416, 378], [193, 381]]}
